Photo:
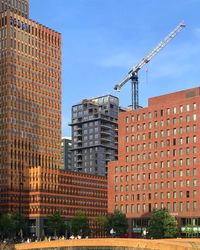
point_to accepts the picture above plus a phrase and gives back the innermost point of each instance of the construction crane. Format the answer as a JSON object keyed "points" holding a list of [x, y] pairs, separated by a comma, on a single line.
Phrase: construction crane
{"points": [[133, 73]]}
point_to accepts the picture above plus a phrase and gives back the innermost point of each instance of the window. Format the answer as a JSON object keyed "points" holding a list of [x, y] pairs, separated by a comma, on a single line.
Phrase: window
{"points": [[174, 207], [187, 118], [194, 106], [138, 208], [149, 125], [168, 121], [187, 206], [187, 107], [181, 206], [168, 132], [194, 117], [168, 111], [174, 110], [194, 205], [181, 109]]}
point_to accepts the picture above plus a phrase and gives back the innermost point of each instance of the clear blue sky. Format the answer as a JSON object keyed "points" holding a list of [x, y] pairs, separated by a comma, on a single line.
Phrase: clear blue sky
{"points": [[103, 39]]}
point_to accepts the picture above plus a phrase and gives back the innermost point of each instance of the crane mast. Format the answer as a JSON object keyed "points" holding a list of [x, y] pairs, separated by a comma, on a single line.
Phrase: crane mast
{"points": [[133, 73]]}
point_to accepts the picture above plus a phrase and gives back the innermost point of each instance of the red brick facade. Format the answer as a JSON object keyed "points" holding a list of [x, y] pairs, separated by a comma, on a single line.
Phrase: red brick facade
{"points": [[158, 160]]}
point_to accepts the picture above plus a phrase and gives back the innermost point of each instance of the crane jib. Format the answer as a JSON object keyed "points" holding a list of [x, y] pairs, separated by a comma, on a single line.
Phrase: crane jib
{"points": [[133, 72]]}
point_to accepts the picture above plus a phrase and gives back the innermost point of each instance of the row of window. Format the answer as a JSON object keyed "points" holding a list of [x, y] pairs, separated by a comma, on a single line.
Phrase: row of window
{"points": [[162, 154], [174, 131], [156, 135], [156, 175], [171, 206], [168, 111], [155, 196], [156, 185]]}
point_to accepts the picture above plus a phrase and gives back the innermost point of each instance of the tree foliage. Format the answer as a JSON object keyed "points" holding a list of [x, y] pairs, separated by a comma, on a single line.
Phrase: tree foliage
{"points": [[162, 224], [55, 224], [101, 223], [118, 222], [12, 225], [80, 225]]}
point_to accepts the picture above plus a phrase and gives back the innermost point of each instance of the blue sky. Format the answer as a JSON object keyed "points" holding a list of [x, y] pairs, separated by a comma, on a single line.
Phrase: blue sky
{"points": [[103, 39]]}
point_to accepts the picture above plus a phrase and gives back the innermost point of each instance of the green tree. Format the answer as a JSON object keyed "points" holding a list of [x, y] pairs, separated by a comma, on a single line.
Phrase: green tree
{"points": [[101, 224], [189, 230], [55, 224], [80, 224], [118, 222], [162, 224], [19, 224], [6, 226]]}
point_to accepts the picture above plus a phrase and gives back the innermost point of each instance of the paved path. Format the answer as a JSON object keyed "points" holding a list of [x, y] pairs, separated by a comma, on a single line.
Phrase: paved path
{"points": [[165, 244]]}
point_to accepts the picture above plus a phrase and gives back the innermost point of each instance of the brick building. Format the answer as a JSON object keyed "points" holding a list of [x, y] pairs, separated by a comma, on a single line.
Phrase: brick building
{"points": [[30, 90], [20, 7], [158, 161], [76, 192], [31, 181]]}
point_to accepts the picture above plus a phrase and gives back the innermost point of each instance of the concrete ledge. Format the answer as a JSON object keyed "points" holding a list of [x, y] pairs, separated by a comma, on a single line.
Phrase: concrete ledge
{"points": [[113, 244]]}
